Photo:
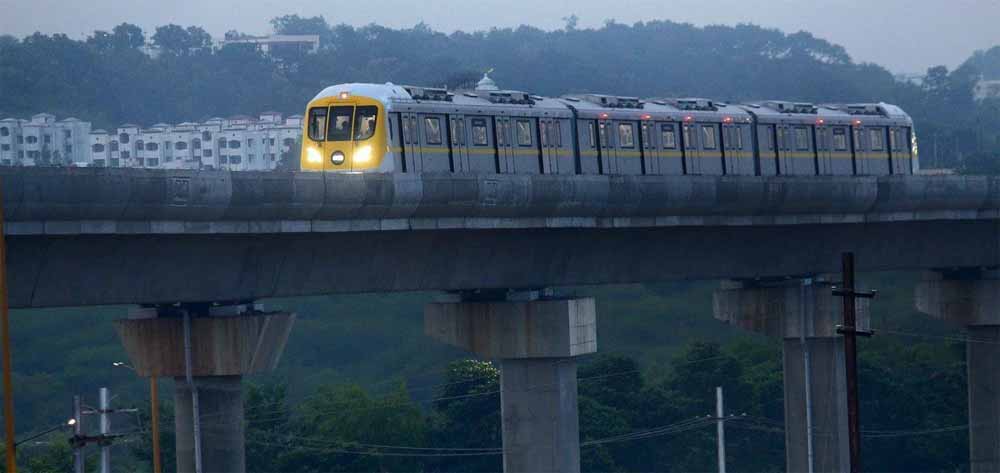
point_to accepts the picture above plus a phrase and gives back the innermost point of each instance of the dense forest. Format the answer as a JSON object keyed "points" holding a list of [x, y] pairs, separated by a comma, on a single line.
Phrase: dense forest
{"points": [[109, 79], [358, 374]]}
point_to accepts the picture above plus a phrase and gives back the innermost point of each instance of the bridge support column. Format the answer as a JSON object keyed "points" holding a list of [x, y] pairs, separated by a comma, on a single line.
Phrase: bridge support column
{"points": [[972, 298], [804, 314], [226, 343], [536, 342]]}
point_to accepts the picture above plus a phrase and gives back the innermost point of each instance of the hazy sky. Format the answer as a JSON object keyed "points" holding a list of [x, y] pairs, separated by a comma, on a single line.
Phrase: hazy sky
{"points": [[903, 35]]}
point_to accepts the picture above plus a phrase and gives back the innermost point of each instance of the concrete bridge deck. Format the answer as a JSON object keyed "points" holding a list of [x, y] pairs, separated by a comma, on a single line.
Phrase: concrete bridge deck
{"points": [[107, 236]]}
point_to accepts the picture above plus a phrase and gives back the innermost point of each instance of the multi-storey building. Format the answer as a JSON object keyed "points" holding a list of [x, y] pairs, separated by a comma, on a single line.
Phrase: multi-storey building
{"points": [[239, 143]]}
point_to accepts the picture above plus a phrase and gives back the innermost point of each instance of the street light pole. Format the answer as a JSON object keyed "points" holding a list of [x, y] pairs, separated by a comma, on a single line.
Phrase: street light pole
{"points": [[154, 415]]}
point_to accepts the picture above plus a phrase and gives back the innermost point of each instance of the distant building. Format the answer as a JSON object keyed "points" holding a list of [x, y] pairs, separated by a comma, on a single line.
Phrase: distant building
{"points": [[44, 141], [986, 89], [305, 42]]}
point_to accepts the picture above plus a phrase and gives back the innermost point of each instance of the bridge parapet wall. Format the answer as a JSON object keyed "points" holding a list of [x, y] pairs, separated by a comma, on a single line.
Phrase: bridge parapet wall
{"points": [[75, 194]]}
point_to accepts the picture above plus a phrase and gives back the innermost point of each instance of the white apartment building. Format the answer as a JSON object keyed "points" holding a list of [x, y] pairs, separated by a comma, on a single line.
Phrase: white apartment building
{"points": [[239, 143]]}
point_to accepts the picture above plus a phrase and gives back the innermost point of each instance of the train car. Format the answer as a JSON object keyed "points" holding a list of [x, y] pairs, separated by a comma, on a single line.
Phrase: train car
{"points": [[390, 128]]}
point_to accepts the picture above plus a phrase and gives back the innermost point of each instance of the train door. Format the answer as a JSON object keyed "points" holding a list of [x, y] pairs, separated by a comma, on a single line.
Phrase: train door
{"points": [[608, 154], [527, 152], [878, 153], [692, 155], [505, 152], [411, 143], [711, 149], [550, 154], [671, 156], [434, 142], [650, 148], [767, 146], [395, 123], [841, 162], [482, 154], [459, 143], [899, 150], [629, 151], [562, 149], [859, 147], [734, 141], [590, 156], [824, 151]]}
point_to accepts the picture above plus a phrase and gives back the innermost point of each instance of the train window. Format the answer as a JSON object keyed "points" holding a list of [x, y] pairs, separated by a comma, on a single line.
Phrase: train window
{"points": [[708, 136], [317, 124], [590, 135], [543, 134], [801, 138], [668, 136], [432, 130], [364, 120], [457, 131], [857, 140], [523, 133], [646, 138], [479, 132], [501, 134], [340, 123], [407, 132], [626, 135], [840, 139], [738, 134], [877, 139], [603, 134], [688, 139]]}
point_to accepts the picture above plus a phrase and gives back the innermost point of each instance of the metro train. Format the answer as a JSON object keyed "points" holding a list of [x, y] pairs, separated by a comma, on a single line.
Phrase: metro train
{"points": [[387, 128]]}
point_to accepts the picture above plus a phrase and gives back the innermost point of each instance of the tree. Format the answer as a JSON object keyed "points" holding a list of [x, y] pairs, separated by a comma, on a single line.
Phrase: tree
{"points": [[468, 415], [128, 36], [177, 40]]}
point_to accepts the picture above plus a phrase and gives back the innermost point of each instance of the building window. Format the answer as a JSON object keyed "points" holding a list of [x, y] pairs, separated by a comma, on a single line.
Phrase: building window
{"points": [[271, 141], [196, 143], [67, 134], [99, 163], [523, 133], [207, 153], [235, 160], [181, 146], [115, 163], [47, 139], [32, 139], [626, 135], [97, 148], [20, 139], [139, 162], [223, 159], [152, 146], [249, 142], [222, 143], [432, 130], [708, 136], [152, 162], [168, 144], [234, 144], [20, 154], [5, 147], [126, 154], [288, 142], [4, 131], [123, 138], [479, 132], [250, 158], [206, 135], [114, 146], [139, 145]]}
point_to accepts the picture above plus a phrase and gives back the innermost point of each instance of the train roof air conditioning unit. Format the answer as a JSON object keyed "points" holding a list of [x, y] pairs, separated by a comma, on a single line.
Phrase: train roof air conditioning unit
{"points": [[695, 104], [865, 109], [507, 96], [429, 93]]}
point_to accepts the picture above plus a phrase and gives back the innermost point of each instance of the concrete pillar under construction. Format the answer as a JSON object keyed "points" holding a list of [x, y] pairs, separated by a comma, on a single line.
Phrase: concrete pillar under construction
{"points": [[225, 344], [805, 314], [972, 298], [536, 342]]}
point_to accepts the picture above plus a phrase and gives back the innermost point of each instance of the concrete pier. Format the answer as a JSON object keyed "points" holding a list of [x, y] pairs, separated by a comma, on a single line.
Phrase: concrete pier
{"points": [[805, 315], [225, 345], [536, 342], [970, 298]]}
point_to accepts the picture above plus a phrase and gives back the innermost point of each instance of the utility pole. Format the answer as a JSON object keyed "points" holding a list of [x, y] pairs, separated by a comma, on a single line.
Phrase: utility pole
{"points": [[720, 429], [8, 384], [851, 332], [77, 433], [105, 411]]}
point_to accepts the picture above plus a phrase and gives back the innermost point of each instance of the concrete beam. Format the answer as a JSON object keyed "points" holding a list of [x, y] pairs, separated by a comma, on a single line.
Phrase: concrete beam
{"points": [[505, 330], [970, 297], [121, 269]]}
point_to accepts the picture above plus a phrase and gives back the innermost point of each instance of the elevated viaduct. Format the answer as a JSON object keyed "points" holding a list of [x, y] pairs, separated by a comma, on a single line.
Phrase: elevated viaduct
{"points": [[194, 248]]}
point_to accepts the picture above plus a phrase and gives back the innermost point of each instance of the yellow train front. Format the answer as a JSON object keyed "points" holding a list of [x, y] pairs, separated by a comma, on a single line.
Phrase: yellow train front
{"points": [[346, 129]]}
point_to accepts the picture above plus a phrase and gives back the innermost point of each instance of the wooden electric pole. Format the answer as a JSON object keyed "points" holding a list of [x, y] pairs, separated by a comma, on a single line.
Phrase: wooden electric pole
{"points": [[850, 331]]}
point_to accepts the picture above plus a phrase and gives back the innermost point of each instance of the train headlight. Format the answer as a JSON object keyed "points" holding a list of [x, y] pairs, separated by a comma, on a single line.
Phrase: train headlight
{"points": [[363, 154], [313, 156], [337, 158]]}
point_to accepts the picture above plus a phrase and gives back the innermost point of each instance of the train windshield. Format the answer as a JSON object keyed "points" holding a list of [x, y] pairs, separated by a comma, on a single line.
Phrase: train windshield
{"points": [[364, 122], [341, 119]]}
